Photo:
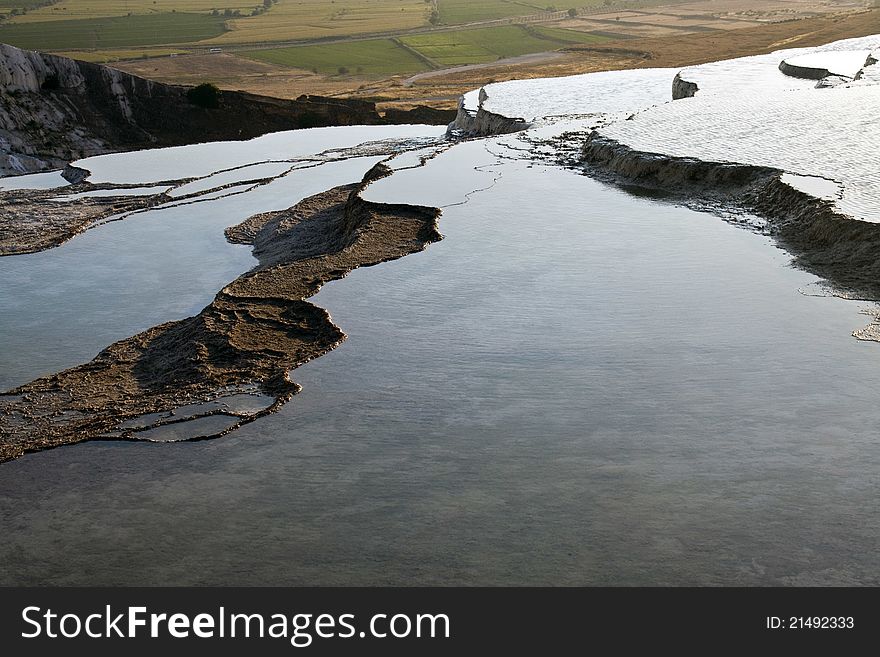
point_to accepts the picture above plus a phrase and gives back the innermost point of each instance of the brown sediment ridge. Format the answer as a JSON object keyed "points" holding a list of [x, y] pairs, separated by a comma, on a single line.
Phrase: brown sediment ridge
{"points": [[838, 248], [31, 222], [257, 329]]}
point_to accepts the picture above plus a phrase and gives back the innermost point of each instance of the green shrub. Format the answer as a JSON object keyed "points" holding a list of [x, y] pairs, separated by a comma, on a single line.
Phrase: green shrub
{"points": [[205, 95]]}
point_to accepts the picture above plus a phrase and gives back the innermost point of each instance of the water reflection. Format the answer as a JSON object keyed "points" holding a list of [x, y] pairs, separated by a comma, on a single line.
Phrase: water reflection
{"points": [[576, 386]]}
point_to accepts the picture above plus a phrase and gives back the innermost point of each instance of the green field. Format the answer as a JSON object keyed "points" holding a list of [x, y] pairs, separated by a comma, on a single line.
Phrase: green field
{"points": [[115, 32], [285, 20], [74, 9], [456, 12], [372, 57], [492, 43], [21, 4], [453, 48], [107, 30], [566, 37], [105, 25], [316, 19]]}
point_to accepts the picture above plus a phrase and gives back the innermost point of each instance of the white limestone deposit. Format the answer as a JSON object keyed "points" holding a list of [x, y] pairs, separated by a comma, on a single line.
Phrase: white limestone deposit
{"points": [[831, 133], [807, 112]]}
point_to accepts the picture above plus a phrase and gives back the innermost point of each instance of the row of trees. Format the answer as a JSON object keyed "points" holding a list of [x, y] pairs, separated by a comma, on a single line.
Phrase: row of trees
{"points": [[236, 13]]}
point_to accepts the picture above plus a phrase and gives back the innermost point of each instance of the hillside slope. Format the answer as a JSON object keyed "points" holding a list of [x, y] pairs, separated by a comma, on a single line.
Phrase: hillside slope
{"points": [[54, 110]]}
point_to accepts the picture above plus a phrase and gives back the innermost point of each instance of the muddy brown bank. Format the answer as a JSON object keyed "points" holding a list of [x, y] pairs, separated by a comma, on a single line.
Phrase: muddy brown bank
{"points": [[245, 342]]}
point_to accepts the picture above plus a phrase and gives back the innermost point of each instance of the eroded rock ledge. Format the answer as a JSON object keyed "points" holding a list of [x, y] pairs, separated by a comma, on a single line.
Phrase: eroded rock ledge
{"points": [[483, 123], [247, 340], [30, 221], [833, 246]]}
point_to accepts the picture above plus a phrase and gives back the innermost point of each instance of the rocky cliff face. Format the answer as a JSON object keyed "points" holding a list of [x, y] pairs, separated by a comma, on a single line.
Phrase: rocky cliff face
{"points": [[54, 110]]}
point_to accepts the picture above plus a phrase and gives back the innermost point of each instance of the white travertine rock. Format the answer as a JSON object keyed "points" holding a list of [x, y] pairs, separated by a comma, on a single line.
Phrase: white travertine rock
{"points": [[26, 70]]}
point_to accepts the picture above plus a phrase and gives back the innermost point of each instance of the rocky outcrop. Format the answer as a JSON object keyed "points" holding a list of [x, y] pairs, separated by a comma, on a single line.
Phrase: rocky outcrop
{"points": [[483, 123], [804, 72], [682, 88], [825, 77], [54, 110], [420, 115], [838, 248]]}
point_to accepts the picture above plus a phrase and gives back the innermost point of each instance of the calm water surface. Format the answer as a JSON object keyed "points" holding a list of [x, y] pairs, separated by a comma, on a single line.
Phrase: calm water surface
{"points": [[62, 306], [576, 386]]}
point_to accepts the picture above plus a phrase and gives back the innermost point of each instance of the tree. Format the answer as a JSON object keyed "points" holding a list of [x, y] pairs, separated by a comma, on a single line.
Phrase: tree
{"points": [[205, 95], [572, 12]]}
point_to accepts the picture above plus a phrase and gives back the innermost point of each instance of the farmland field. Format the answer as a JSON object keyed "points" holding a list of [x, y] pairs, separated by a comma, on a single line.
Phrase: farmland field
{"points": [[335, 17], [385, 57], [115, 32], [23, 4], [129, 24], [490, 43], [286, 20], [315, 19], [72, 9], [343, 40], [371, 57], [456, 12], [108, 56], [566, 36]]}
